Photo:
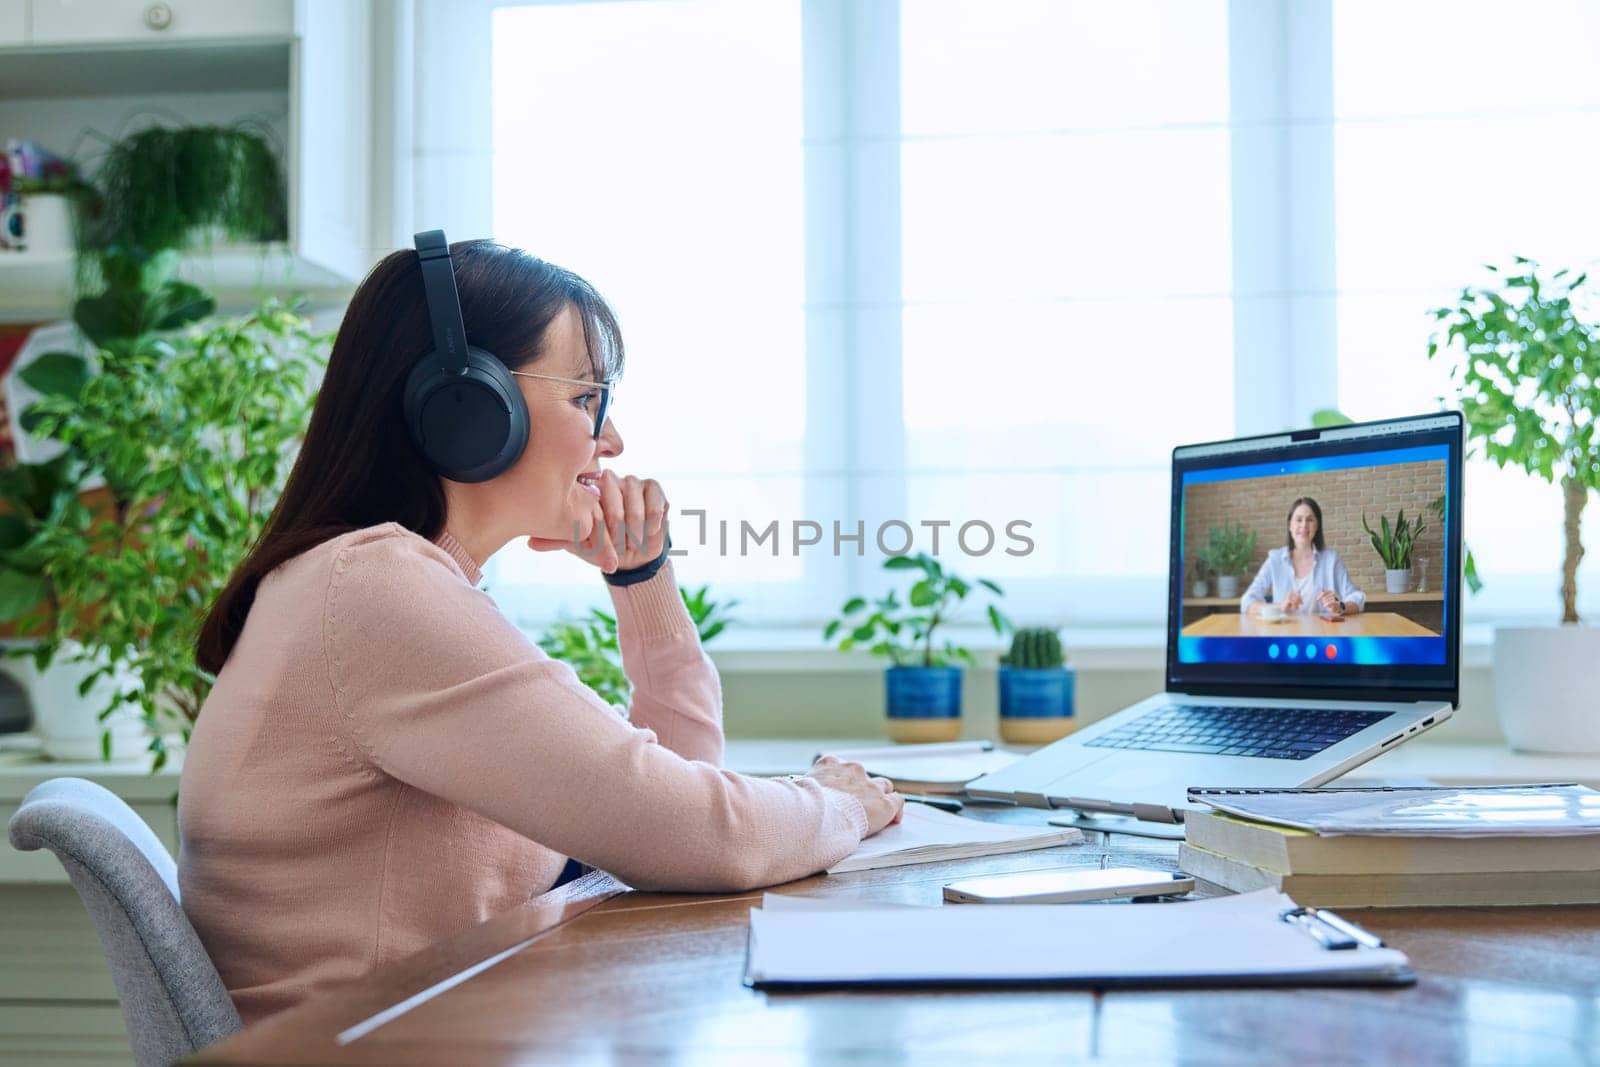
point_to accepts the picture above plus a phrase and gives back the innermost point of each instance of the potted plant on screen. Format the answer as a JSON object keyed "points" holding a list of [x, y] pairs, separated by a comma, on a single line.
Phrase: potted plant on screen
{"points": [[1035, 689], [1526, 357], [922, 685], [1199, 571], [1228, 551], [1395, 545]]}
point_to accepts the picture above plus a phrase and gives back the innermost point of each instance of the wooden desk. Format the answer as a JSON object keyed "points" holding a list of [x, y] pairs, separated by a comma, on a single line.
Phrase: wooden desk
{"points": [[645, 978], [1364, 624]]}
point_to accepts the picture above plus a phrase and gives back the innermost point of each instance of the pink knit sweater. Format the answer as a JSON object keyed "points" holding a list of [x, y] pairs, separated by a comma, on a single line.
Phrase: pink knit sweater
{"points": [[385, 760]]}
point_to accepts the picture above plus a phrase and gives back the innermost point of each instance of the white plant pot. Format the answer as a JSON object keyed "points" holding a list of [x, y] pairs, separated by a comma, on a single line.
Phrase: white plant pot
{"points": [[1544, 688], [1397, 581], [1198, 588], [1227, 585], [68, 724]]}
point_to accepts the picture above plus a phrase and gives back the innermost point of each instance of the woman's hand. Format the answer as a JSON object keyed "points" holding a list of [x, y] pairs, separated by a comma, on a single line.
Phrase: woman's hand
{"points": [[1329, 603], [1292, 602], [628, 527], [883, 805]]}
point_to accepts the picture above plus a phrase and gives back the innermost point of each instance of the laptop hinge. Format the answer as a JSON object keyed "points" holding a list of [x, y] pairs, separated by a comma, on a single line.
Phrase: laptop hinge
{"points": [[1155, 813], [1033, 800]]}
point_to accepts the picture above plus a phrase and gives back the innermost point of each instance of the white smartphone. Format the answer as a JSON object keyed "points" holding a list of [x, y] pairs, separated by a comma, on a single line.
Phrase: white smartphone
{"points": [[1067, 887]]}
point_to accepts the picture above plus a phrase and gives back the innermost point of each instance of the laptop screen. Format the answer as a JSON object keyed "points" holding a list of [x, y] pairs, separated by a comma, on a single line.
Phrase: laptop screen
{"points": [[1319, 562]]}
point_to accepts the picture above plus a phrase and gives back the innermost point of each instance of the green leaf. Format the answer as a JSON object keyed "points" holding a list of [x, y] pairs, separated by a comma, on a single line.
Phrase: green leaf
{"points": [[995, 589], [20, 593], [15, 531], [923, 594], [900, 563], [852, 605], [57, 374], [827, 631]]}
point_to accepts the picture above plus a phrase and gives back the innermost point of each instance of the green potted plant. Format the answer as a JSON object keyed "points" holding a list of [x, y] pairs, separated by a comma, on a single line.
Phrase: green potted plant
{"points": [[192, 435], [164, 187], [589, 644], [1395, 545], [1229, 549], [922, 685], [1525, 371], [1199, 573], [1035, 689]]}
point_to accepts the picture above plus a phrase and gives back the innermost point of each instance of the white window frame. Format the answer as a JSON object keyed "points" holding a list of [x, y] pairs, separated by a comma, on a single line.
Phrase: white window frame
{"points": [[1283, 229]]}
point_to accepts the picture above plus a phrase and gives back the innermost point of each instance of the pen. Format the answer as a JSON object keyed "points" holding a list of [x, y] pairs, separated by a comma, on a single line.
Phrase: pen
{"points": [[1327, 935], [942, 803], [1349, 929]]}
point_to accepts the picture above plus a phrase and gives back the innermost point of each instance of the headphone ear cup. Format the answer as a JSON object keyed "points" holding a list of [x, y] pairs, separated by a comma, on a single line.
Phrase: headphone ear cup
{"points": [[469, 427]]}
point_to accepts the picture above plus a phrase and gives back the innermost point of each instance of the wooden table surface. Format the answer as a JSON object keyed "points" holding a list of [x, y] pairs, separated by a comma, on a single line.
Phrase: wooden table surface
{"points": [[611, 977], [1364, 624]]}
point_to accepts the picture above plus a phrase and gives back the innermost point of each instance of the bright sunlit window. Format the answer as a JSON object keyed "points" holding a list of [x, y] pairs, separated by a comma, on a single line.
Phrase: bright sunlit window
{"points": [[937, 260]]}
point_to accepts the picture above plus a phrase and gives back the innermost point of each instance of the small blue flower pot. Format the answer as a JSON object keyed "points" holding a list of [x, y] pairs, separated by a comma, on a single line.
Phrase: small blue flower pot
{"points": [[923, 703], [1036, 704]]}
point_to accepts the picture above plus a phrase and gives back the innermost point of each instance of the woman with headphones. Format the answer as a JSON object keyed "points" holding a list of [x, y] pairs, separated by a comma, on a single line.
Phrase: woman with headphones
{"points": [[385, 759]]}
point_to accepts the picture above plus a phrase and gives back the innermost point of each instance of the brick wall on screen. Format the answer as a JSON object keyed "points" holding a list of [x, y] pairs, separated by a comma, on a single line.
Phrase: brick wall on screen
{"points": [[1262, 504]]}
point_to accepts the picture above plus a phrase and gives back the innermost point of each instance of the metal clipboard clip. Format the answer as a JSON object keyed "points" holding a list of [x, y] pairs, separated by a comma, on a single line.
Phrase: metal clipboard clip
{"points": [[1330, 931]]}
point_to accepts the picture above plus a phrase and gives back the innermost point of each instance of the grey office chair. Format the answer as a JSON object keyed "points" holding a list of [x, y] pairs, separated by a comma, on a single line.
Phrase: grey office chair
{"points": [[172, 999]]}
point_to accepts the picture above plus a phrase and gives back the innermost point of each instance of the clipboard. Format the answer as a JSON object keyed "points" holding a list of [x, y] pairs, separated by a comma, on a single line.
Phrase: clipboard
{"points": [[1251, 939]]}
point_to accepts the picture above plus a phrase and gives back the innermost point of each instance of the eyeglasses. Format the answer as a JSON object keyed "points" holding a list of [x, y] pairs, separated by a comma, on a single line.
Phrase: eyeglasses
{"points": [[606, 389]]}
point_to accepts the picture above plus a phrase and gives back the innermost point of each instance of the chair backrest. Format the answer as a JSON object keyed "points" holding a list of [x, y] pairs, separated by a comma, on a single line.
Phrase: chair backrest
{"points": [[173, 1001]]}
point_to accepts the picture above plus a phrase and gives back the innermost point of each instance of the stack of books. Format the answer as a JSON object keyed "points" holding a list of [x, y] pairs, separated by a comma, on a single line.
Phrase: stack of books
{"points": [[1385, 848]]}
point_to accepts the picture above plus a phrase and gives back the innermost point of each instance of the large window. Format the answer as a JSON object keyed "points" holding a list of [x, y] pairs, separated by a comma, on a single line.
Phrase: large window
{"points": [[951, 262]]}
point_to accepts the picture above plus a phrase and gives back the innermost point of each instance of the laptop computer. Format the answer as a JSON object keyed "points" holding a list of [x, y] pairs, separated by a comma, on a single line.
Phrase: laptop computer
{"points": [[1279, 683]]}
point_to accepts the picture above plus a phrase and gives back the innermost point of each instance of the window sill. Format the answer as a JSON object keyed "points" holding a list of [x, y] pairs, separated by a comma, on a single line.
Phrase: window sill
{"points": [[779, 650]]}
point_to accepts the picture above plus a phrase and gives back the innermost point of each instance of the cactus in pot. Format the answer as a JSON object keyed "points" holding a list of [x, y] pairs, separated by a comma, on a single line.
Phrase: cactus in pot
{"points": [[1036, 688]]}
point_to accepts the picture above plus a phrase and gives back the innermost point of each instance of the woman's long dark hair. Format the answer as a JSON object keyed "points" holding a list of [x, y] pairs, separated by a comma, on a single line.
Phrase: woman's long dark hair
{"points": [[357, 466], [1315, 510]]}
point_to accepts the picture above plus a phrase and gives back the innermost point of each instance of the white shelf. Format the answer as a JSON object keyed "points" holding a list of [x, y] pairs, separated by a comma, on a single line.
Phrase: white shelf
{"points": [[37, 288], [134, 67]]}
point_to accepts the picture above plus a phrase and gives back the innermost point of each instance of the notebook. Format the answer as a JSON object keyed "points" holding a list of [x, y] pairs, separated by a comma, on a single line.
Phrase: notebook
{"points": [[1258, 938], [926, 835], [1457, 889], [1287, 850]]}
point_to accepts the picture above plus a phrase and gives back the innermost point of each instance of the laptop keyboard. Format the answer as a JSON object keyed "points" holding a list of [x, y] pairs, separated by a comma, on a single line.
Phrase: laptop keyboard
{"points": [[1270, 733]]}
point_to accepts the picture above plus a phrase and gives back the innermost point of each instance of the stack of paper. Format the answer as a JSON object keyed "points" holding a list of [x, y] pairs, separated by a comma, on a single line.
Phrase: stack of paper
{"points": [[927, 835], [1401, 847], [1236, 940]]}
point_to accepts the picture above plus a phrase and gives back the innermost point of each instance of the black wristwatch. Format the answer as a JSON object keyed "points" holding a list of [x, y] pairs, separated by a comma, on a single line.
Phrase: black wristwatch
{"points": [[635, 575]]}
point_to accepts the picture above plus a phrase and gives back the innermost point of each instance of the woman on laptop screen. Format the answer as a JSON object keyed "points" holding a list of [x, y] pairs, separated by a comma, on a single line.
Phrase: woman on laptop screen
{"points": [[1304, 575]]}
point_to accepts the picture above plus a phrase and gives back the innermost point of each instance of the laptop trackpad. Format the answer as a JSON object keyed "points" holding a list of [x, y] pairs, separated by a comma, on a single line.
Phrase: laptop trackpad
{"points": [[1093, 778]]}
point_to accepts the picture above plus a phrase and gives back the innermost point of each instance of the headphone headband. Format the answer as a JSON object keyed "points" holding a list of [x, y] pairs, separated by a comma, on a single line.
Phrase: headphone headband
{"points": [[444, 302]]}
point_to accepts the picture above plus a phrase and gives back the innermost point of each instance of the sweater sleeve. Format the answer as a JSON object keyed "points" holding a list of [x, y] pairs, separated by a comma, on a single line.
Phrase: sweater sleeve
{"points": [[676, 691], [436, 688]]}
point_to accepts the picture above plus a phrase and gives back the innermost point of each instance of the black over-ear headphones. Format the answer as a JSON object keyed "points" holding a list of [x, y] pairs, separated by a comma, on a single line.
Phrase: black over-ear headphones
{"points": [[465, 413]]}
